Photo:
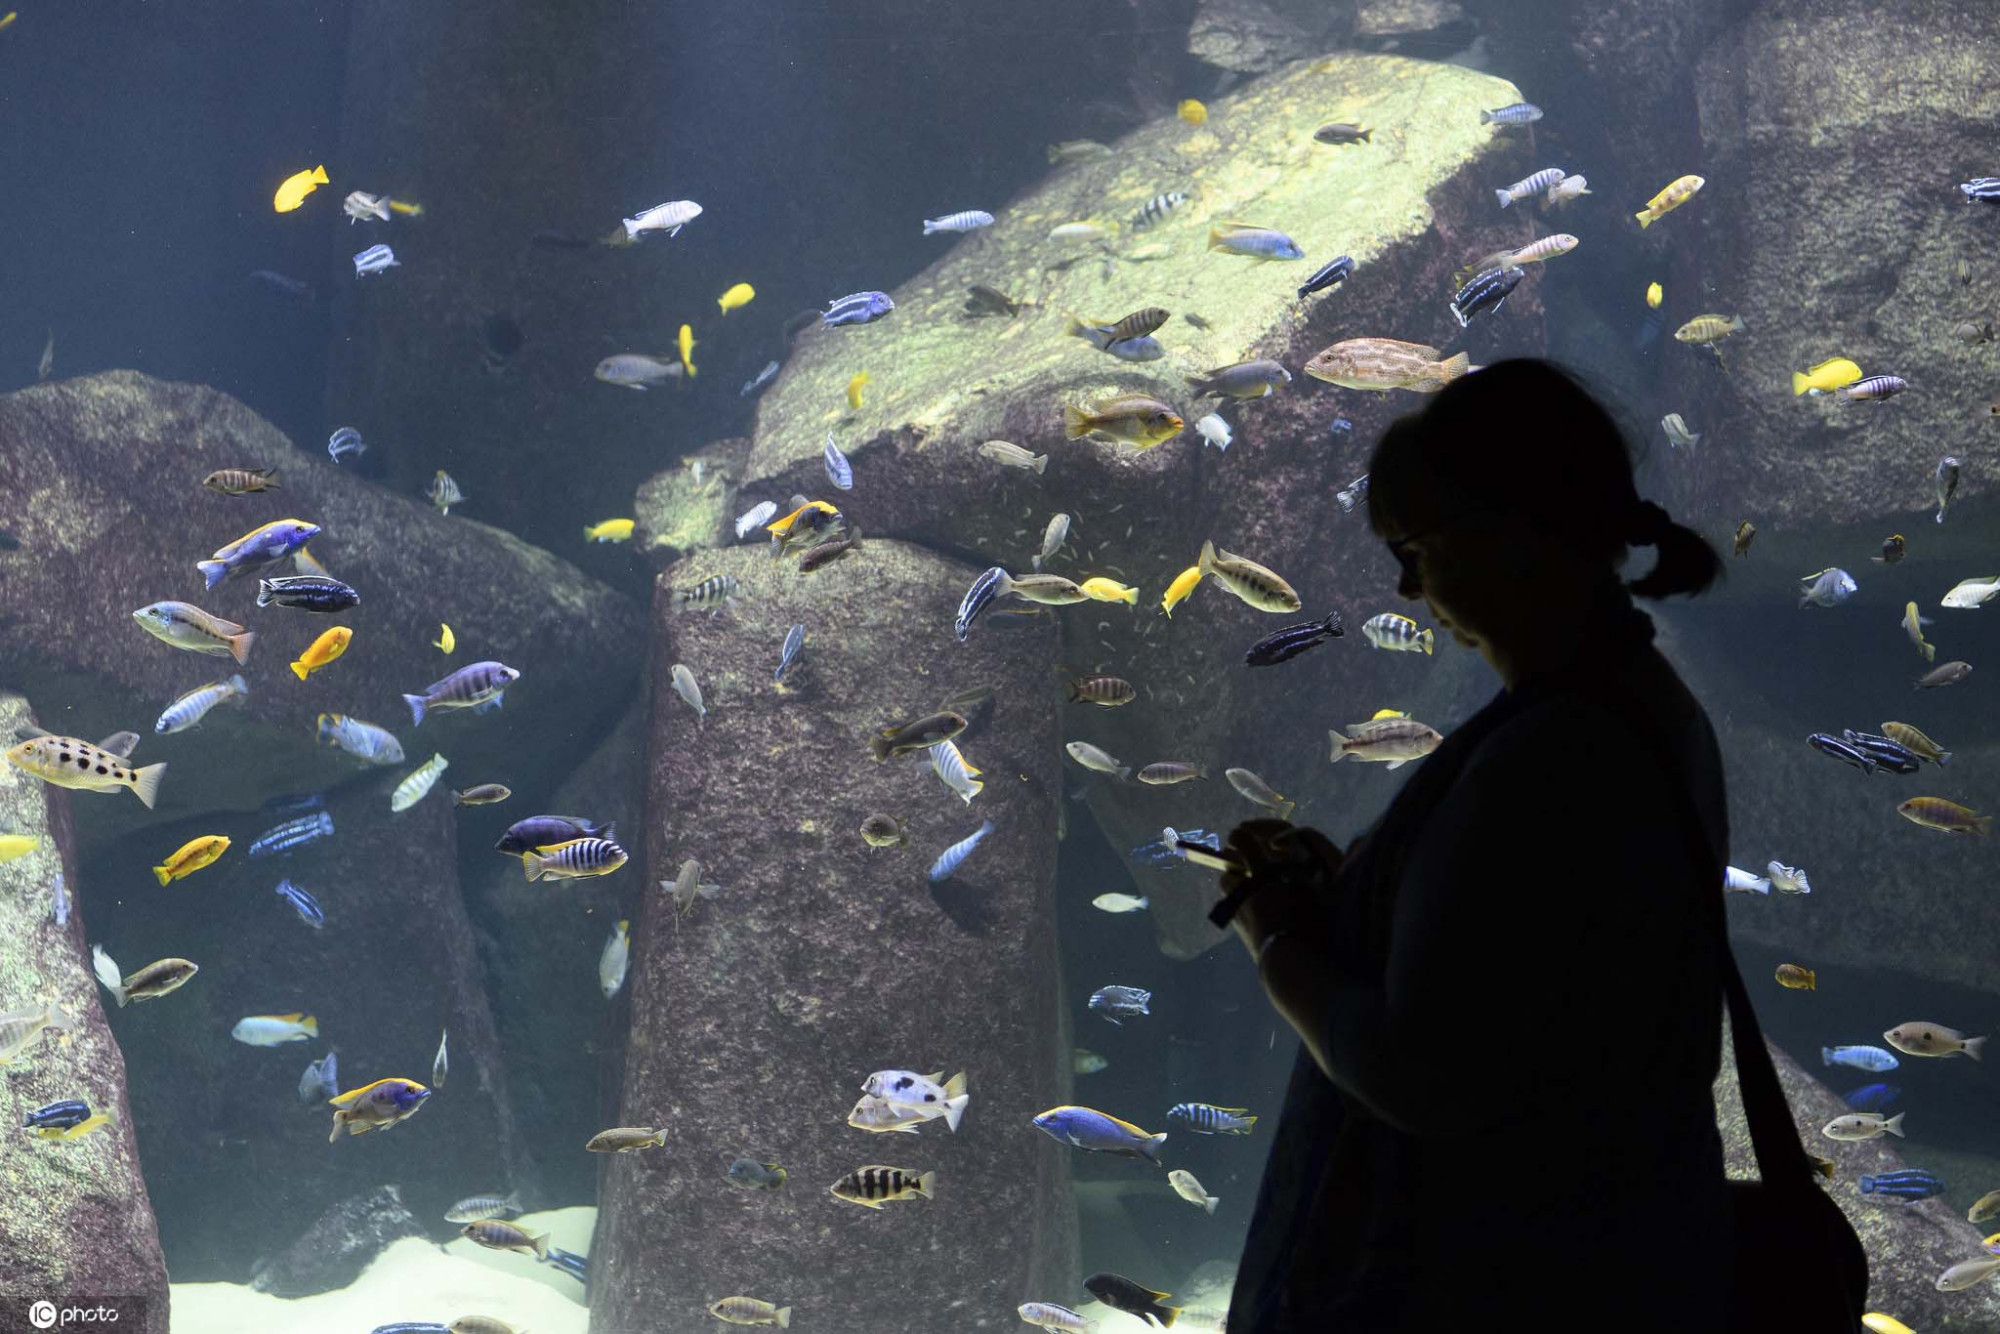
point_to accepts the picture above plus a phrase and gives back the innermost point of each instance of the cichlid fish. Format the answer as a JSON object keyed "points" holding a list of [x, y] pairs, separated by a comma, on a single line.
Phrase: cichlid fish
{"points": [[684, 344], [1072, 151], [1872, 1059], [187, 626], [1253, 585], [738, 296], [1100, 589], [1946, 479], [20, 1029], [1677, 193], [750, 1174], [1166, 773], [758, 381], [921, 734], [1341, 132], [838, 470], [755, 517], [788, 653], [375, 259], [1677, 432], [1826, 588], [59, 1115], [262, 546], [1486, 292], [1155, 210], [1531, 185], [364, 741], [885, 831], [1179, 590], [1119, 903], [983, 590], [1013, 456], [1945, 816], [1243, 380], [241, 481], [1047, 1315], [1788, 879], [1106, 691], [1252, 242], [638, 370], [954, 772], [271, 1030], [1334, 272], [627, 1139], [474, 1208], [153, 981], [1204, 1119], [382, 1104], [1874, 389], [575, 860], [1254, 788], [1053, 538], [1286, 644], [1856, 1126], [617, 956], [1090, 757], [1904, 1187], [669, 217], [1391, 741], [875, 1185], [1707, 330], [1913, 626], [1746, 533], [543, 831], [1097, 1132], [969, 220], [1924, 1039], [1214, 431], [714, 592], [954, 856], [482, 794], [1516, 113], [1382, 364], [72, 1132], [1084, 1061], [1568, 189], [330, 645], [302, 903], [1914, 741], [343, 442], [68, 762], [1049, 590], [1797, 978], [292, 191], [1135, 419], [1970, 594], [1117, 1004], [307, 592], [360, 205], [471, 686], [191, 708], [1831, 374], [857, 308], [190, 857], [444, 492], [416, 784], [750, 1311]]}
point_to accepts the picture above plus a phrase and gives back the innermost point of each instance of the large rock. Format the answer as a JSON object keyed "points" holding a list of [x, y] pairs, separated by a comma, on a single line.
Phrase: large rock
{"points": [[342, 1241], [100, 481], [756, 1018], [75, 1218], [1257, 36]]}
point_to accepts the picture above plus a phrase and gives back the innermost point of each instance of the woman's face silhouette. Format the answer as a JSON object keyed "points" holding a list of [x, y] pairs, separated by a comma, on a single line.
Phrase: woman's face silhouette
{"points": [[1494, 584]]}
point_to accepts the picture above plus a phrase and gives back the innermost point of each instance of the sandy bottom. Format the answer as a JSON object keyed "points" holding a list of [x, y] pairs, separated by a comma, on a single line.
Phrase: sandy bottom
{"points": [[412, 1280]]}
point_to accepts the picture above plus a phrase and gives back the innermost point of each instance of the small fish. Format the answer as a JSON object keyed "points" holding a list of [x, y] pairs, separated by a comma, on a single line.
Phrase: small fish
{"points": [[1872, 1059], [1135, 419], [1972, 593], [48, 359], [1047, 1315], [1013, 456], [343, 442], [1096, 1132], [1214, 431], [1515, 113], [1746, 533], [1843, 751], [1192, 112], [686, 887], [444, 492], [755, 517], [1286, 644], [876, 1185], [883, 831], [1707, 330], [574, 860], [416, 784], [1253, 787], [496, 1234], [1788, 879], [68, 762], [241, 481], [75, 1132], [1072, 151], [1874, 389], [627, 1139], [968, 220], [1253, 242], [1084, 1061], [1966, 1273], [1119, 903], [838, 470], [750, 1311], [1393, 741], [1986, 189], [954, 856], [1166, 773], [759, 380], [1857, 1126], [1677, 192], [750, 1174], [1486, 292], [482, 794], [737, 297], [469, 687], [983, 590], [1117, 1003], [1331, 274], [954, 771], [364, 741], [795, 639], [190, 857], [307, 592], [61, 1115], [1252, 584], [304, 904], [1677, 432], [15, 846], [1655, 294], [59, 902], [322, 1080], [271, 1030], [637, 370], [260, 547], [1946, 479], [1972, 333], [20, 1029], [1343, 133], [858, 308], [617, 956], [1155, 210], [542, 831], [191, 708], [375, 259], [981, 300], [1189, 1189], [1090, 757], [669, 217], [1243, 380], [1053, 538], [921, 734], [1922, 1039], [1913, 626], [684, 343], [1531, 185], [1079, 231], [1945, 816], [715, 592], [1101, 589], [292, 191], [1826, 588], [1178, 591], [153, 981], [1915, 742], [1107, 691], [1796, 978], [323, 650], [1382, 364], [1905, 1186], [826, 552]]}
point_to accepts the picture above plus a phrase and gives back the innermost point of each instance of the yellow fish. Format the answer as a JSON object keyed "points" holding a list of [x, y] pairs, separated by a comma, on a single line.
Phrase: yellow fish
{"points": [[1878, 1323], [1655, 294], [611, 530], [854, 387], [69, 762], [736, 297], [1798, 979], [9, 19], [783, 527], [1193, 112], [81, 1128], [323, 650], [1109, 590], [191, 856], [408, 210], [1668, 200], [1826, 377], [1178, 590], [686, 345], [13, 846], [296, 187], [446, 641]]}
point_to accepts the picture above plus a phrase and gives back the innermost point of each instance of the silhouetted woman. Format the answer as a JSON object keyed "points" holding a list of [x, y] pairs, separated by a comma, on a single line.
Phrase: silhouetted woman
{"points": [[1507, 990]]}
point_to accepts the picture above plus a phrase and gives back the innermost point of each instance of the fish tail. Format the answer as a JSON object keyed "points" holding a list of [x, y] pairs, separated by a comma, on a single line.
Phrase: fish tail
{"points": [[1076, 423], [1206, 562], [954, 1109], [1150, 1146], [239, 646], [1451, 368], [1338, 754], [1041, 465], [164, 873], [1200, 385], [1210, 1203], [879, 747], [1215, 241], [1799, 384], [310, 1024], [1506, 200], [239, 685], [533, 865], [1972, 1046], [146, 784], [541, 1245], [1645, 219], [928, 228], [1894, 1125], [299, 669], [1982, 824], [417, 705], [270, 476], [1943, 755], [783, 1317], [1131, 597], [212, 570], [1166, 1315]]}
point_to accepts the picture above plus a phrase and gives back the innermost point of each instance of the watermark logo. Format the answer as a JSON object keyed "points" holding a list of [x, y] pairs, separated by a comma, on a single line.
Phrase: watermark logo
{"points": [[42, 1315], [91, 1314]]}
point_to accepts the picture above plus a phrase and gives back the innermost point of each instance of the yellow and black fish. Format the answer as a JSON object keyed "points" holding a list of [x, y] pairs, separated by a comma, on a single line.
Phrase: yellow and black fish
{"points": [[874, 1186]]}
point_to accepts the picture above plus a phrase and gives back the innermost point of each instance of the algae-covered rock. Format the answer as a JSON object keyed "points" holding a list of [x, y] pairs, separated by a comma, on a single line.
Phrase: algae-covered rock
{"points": [[1865, 266], [682, 509], [101, 483], [1257, 36], [758, 1015], [75, 1218]]}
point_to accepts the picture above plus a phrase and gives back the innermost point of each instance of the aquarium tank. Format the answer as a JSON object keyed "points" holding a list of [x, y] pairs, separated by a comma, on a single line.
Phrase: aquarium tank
{"points": [[613, 617]]}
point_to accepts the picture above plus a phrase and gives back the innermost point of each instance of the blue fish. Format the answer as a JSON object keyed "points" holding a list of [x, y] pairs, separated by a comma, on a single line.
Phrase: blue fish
{"points": [[294, 805], [576, 1266], [412, 1327], [1487, 291], [1518, 113], [307, 906], [795, 639], [1909, 1186], [1339, 426], [1083, 1128], [1333, 272], [321, 1079], [1286, 644], [375, 259], [1117, 1004], [291, 287], [61, 1115], [283, 839], [343, 442], [1872, 1059], [256, 549], [975, 600], [544, 831], [1873, 1097], [1985, 188], [1143, 348], [838, 470], [759, 380], [954, 856], [859, 308], [1886, 753], [59, 904]]}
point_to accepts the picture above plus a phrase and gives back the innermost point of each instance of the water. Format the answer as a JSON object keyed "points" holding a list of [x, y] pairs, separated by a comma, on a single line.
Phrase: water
{"points": [[816, 142]]}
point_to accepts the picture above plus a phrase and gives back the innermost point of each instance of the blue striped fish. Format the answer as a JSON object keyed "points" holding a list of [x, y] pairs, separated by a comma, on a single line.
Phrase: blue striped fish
{"points": [[576, 1266], [1908, 1186], [1487, 291], [192, 707], [954, 856], [838, 470], [292, 834], [976, 597], [970, 220], [857, 308], [795, 639], [1204, 1119], [1519, 113], [1873, 1097], [306, 905]]}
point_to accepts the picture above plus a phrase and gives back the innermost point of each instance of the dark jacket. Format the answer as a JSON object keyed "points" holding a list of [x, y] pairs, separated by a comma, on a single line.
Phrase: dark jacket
{"points": [[1525, 1034]]}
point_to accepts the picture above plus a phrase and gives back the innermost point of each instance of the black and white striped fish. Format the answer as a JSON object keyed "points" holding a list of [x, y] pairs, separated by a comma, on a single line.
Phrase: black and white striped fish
{"points": [[307, 592], [856, 308], [968, 220], [1333, 272], [976, 597], [444, 492], [1204, 1119], [1286, 644], [1486, 292], [192, 707], [712, 592], [838, 470], [1533, 185], [1154, 211], [954, 856], [1875, 388], [1983, 188], [795, 639]]}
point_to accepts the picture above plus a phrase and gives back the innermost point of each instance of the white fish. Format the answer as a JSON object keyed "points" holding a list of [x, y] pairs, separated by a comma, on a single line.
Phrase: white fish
{"points": [[1053, 537], [440, 1063], [1566, 189], [192, 707], [271, 1030], [616, 958], [1827, 588], [1119, 903], [1047, 1315], [1862, 1125], [689, 689], [359, 205], [669, 218], [1788, 879], [1967, 1273], [908, 1091], [59, 906], [1090, 757], [416, 785], [1215, 431], [755, 517], [969, 220], [1744, 882], [1190, 1190], [1968, 594], [954, 856], [950, 767], [838, 470], [1678, 434]]}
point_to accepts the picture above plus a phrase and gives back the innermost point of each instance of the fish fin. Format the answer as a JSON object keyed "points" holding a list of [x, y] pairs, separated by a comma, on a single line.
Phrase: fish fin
{"points": [[954, 1109], [310, 1024], [783, 1316], [1454, 367], [212, 571], [1150, 1147], [146, 783], [1206, 562], [417, 705], [121, 744], [1210, 1203], [239, 646], [925, 1183], [1894, 1125], [1167, 1315], [1645, 219], [533, 866], [955, 1085], [1799, 384], [1076, 423], [107, 972], [299, 669], [165, 874], [1972, 1046]]}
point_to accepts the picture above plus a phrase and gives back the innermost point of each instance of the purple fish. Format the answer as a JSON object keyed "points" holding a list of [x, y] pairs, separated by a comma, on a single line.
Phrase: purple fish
{"points": [[544, 831], [257, 549], [474, 686]]}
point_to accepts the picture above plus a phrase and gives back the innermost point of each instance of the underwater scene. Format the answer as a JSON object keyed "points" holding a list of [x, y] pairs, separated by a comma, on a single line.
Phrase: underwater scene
{"points": [[617, 621]]}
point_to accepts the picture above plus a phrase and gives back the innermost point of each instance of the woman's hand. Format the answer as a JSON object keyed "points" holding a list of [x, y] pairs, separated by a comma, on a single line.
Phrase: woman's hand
{"points": [[1287, 869]]}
